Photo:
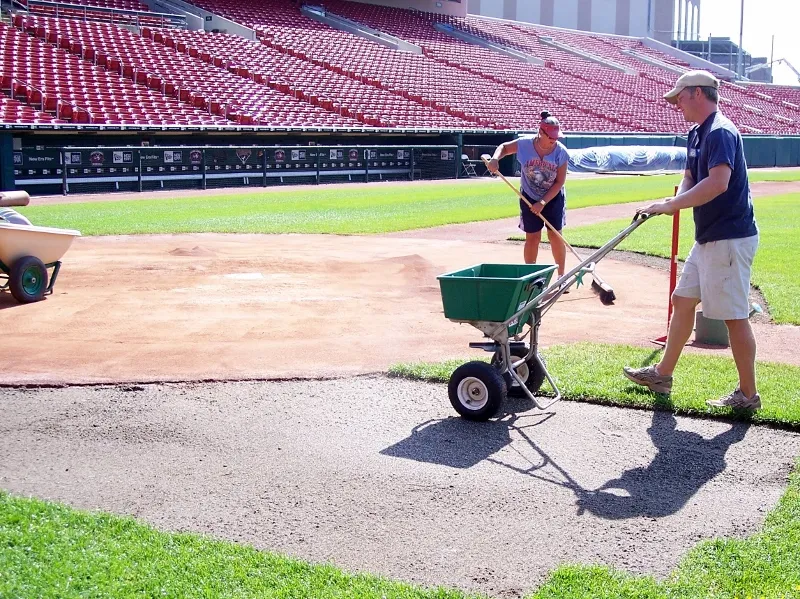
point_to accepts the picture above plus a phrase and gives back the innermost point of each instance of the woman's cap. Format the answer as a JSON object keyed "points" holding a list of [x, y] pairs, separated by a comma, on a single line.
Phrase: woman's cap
{"points": [[551, 127]]}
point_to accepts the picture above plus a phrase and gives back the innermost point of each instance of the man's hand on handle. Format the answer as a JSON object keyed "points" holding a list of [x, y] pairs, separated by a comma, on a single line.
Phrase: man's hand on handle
{"points": [[661, 207]]}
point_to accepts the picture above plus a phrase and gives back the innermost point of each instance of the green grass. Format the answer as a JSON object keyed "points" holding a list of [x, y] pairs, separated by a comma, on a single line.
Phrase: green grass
{"points": [[782, 175], [593, 373], [51, 551], [776, 270], [330, 209]]}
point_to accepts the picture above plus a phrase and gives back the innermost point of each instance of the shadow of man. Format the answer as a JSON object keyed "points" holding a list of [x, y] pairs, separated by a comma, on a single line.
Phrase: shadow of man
{"points": [[684, 463], [457, 442]]}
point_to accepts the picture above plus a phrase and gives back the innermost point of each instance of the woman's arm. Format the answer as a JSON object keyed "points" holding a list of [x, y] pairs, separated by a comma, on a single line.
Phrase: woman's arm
{"points": [[504, 149]]}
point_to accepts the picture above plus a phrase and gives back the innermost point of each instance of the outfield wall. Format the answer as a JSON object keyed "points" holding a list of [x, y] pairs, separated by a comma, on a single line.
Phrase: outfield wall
{"points": [[37, 155]]}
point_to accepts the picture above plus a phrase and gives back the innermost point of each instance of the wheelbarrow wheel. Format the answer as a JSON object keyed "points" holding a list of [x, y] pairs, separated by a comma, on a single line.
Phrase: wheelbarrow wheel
{"points": [[530, 372], [476, 390], [28, 279]]}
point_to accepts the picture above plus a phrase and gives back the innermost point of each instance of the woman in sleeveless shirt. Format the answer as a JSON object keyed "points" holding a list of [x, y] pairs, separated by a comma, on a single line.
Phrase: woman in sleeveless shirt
{"points": [[544, 172]]}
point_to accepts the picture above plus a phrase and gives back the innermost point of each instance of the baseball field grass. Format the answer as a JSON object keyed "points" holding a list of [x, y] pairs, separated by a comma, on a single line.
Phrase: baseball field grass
{"points": [[52, 551], [776, 270], [330, 209], [771, 175], [592, 372]]}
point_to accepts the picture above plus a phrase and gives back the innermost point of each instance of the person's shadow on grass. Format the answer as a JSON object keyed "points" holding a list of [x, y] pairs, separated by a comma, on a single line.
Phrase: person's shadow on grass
{"points": [[684, 463]]}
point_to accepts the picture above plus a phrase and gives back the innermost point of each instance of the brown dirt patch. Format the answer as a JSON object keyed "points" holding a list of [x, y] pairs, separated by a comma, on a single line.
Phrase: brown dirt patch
{"points": [[210, 306]]}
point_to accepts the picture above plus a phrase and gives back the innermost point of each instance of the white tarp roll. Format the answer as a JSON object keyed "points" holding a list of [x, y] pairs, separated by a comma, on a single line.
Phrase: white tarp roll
{"points": [[627, 159]]}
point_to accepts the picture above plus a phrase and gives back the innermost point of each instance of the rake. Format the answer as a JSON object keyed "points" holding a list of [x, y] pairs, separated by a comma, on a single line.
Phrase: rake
{"points": [[604, 290]]}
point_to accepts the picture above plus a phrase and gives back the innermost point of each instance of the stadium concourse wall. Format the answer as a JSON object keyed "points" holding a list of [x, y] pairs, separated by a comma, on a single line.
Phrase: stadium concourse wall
{"points": [[29, 154]]}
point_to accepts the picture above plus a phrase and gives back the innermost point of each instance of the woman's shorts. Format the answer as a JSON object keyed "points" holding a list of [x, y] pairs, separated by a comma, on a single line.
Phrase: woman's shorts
{"points": [[555, 212]]}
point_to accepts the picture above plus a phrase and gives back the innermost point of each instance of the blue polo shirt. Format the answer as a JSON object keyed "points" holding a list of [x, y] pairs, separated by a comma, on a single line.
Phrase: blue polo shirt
{"points": [[730, 215]]}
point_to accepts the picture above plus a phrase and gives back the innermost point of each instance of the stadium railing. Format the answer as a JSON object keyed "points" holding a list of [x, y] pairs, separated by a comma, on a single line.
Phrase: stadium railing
{"points": [[117, 16]]}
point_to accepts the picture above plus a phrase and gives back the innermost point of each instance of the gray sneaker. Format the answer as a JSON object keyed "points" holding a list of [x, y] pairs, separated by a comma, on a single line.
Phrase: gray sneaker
{"points": [[737, 401], [648, 377]]}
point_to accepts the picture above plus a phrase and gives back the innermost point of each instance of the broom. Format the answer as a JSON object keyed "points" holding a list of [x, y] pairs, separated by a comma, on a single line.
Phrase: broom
{"points": [[604, 290]]}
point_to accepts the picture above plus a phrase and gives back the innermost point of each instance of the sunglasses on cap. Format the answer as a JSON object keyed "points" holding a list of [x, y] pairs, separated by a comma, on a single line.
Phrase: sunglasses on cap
{"points": [[550, 131]]}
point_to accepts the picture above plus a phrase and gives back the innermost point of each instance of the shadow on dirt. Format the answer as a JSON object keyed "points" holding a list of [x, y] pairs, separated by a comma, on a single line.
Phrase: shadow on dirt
{"points": [[684, 460]]}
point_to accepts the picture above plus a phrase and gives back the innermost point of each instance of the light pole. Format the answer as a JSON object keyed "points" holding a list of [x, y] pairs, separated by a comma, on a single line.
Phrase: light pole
{"points": [[739, 61]]}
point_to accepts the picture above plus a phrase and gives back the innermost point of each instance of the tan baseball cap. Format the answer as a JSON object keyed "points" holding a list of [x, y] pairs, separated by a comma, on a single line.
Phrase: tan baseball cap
{"points": [[691, 79]]}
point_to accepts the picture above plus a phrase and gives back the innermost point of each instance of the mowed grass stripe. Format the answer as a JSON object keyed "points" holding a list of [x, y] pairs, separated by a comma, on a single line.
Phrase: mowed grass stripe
{"points": [[592, 372], [776, 270], [770, 175], [331, 209], [49, 551]]}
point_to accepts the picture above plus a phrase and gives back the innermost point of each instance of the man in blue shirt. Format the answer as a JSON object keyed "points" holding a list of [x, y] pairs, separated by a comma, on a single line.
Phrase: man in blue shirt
{"points": [[717, 270]]}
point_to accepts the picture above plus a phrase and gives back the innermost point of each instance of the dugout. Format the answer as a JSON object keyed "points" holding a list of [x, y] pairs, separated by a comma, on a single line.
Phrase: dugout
{"points": [[30, 154]]}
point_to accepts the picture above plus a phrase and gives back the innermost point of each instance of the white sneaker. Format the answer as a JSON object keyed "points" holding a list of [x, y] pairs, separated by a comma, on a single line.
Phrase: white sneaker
{"points": [[737, 400]]}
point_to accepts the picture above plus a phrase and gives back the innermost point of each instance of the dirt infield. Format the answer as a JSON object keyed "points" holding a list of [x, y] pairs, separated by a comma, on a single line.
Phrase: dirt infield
{"points": [[213, 306], [196, 307]]}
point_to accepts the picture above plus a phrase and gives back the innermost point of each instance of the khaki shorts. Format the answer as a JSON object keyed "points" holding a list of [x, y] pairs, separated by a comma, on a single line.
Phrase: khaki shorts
{"points": [[718, 274]]}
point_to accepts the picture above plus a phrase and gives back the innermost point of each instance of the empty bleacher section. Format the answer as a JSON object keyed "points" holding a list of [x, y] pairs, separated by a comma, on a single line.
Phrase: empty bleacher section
{"points": [[355, 75], [483, 102], [290, 74], [223, 96], [12, 111], [597, 83], [89, 4], [626, 88], [122, 12], [590, 100], [654, 80], [64, 80], [306, 73]]}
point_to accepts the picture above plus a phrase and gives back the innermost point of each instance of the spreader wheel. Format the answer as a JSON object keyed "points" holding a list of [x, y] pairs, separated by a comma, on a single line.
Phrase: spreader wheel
{"points": [[530, 372], [476, 390]]}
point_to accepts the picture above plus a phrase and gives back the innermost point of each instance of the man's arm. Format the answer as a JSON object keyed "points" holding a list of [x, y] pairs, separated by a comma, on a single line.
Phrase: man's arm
{"points": [[686, 183]]}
